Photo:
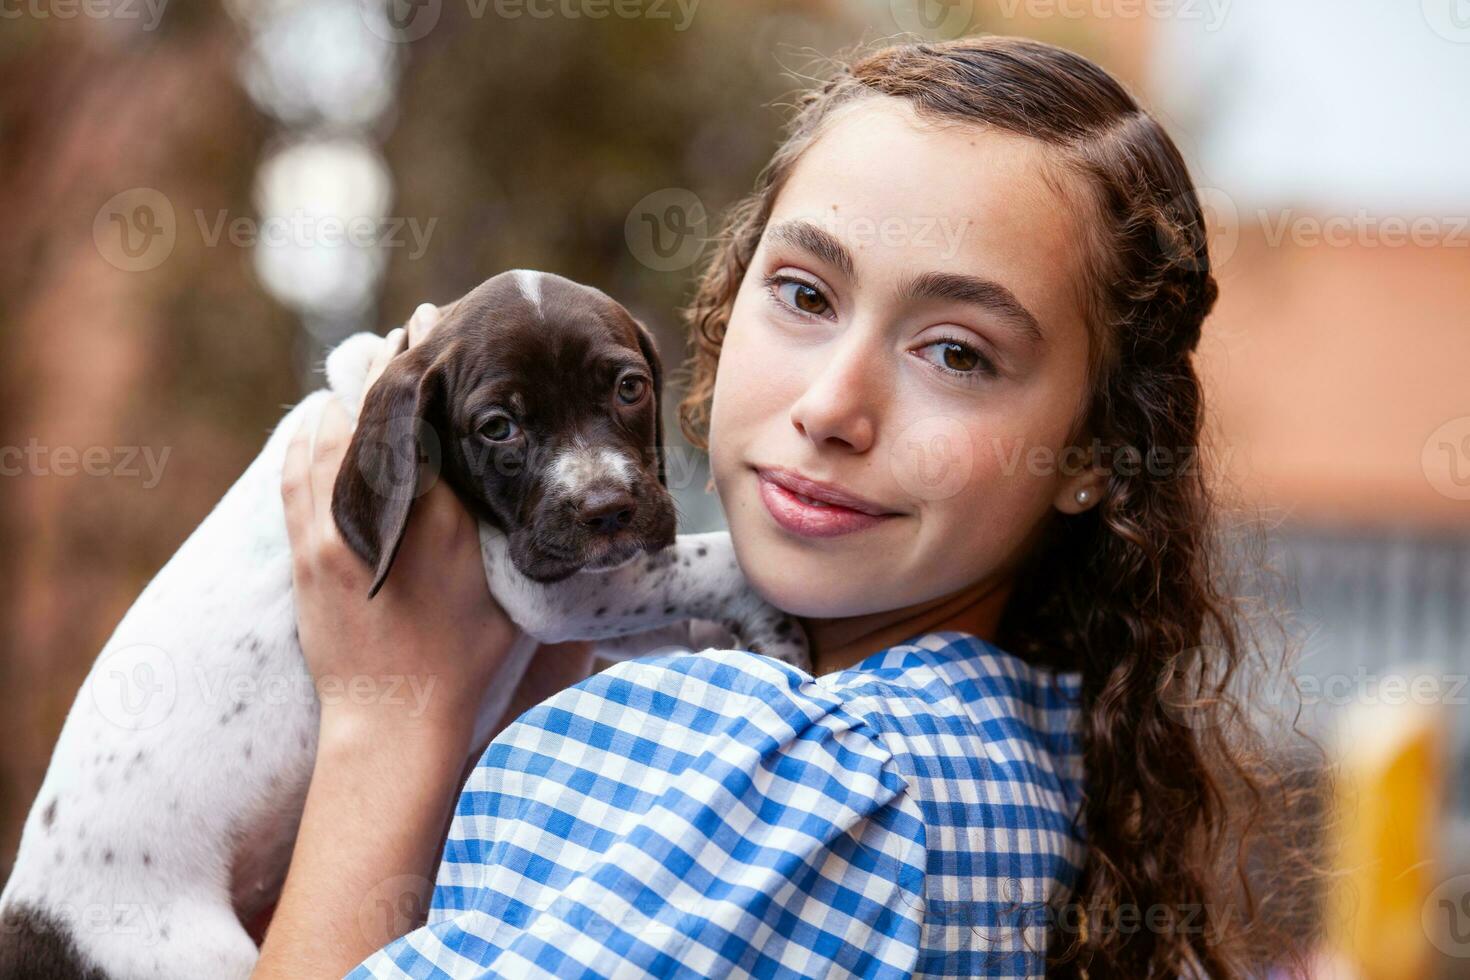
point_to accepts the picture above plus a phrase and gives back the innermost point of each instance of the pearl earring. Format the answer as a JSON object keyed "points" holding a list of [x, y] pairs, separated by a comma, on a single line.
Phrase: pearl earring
{"points": [[1084, 495]]}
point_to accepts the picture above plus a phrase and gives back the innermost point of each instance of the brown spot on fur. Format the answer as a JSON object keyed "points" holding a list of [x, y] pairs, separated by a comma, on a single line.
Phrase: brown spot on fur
{"points": [[38, 945]]}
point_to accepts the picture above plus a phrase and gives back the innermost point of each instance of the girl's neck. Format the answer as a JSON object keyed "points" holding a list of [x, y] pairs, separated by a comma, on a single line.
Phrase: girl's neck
{"points": [[841, 642]]}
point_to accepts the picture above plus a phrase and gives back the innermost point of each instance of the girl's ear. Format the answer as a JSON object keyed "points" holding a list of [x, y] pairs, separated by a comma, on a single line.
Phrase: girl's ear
{"points": [[655, 366], [384, 469]]}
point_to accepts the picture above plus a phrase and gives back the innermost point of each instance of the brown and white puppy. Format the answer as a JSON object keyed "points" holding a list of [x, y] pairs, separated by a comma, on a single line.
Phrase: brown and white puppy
{"points": [[537, 399], [168, 813]]}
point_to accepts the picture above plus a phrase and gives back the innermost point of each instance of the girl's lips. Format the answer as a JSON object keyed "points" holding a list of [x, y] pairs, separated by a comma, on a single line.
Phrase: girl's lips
{"points": [[811, 520]]}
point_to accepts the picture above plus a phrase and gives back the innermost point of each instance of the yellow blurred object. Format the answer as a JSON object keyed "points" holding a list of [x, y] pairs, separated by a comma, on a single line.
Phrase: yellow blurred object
{"points": [[1388, 813]]}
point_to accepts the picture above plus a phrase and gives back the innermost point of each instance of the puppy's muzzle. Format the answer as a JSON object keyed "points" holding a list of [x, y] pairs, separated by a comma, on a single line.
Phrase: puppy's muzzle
{"points": [[601, 524], [609, 522], [606, 509]]}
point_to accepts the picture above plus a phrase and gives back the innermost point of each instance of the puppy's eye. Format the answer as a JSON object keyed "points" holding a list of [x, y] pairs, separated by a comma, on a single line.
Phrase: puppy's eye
{"points": [[631, 389], [499, 429]]}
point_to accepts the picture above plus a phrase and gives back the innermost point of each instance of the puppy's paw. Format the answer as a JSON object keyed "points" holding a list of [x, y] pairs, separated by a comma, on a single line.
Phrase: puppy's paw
{"points": [[764, 629]]}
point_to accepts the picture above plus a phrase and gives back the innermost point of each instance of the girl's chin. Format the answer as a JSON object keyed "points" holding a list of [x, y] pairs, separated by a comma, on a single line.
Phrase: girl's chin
{"points": [[810, 590]]}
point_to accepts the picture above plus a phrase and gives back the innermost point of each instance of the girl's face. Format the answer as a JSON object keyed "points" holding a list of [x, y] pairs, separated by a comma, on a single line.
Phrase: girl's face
{"points": [[910, 329]]}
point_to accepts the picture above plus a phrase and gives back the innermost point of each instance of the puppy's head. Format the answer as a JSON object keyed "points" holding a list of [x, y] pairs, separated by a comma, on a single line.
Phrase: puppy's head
{"points": [[537, 398]]}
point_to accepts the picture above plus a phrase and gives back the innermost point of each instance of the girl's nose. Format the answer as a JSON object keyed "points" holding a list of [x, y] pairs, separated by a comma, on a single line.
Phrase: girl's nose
{"points": [[843, 399]]}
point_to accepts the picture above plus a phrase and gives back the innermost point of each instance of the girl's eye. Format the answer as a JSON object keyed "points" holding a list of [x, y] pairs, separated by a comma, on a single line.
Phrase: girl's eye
{"points": [[958, 357], [800, 296], [499, 429], [631, 389]]}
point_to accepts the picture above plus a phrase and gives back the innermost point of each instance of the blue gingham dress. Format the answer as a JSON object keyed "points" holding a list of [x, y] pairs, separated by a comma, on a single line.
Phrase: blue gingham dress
{"points": [[720, 814]]}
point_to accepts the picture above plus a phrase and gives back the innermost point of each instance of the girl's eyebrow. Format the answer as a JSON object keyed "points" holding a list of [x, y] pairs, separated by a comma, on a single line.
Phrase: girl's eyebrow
{"points": [[976, 290], [808, 237], [958, 287]]}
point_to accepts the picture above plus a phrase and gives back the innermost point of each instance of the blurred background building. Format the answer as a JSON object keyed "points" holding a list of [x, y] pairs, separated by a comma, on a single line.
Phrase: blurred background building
{"points": [[199, 198]]}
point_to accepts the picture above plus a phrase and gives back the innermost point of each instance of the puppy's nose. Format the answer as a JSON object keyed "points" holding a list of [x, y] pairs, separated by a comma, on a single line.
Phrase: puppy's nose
{"points": [[606, 510]]}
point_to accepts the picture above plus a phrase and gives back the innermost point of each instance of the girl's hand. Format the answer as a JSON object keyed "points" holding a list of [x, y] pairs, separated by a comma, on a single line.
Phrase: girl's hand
{"points": [[423, 650], [400, 678]]}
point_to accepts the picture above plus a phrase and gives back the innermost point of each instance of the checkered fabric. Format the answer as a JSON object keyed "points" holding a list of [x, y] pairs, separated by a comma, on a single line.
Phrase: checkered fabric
{"points": [[720, 814]]}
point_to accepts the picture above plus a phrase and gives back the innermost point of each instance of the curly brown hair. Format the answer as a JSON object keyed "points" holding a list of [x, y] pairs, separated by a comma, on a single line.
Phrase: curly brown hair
{"points": [[1132, 593]]}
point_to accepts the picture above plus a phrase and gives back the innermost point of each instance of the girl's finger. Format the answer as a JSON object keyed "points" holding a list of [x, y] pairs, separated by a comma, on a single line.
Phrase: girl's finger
{"points": [[392, 345], [296, 484], [333, 431], [422, 323]]}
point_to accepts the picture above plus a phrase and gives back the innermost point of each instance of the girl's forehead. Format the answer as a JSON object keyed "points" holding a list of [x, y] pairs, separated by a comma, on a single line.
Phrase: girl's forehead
{"points": [[880, 155], [905, 195]]}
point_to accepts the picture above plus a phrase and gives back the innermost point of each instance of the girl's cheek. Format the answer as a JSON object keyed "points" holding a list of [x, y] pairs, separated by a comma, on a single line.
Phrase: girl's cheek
{"points": [[770, 372], [963, 471]]}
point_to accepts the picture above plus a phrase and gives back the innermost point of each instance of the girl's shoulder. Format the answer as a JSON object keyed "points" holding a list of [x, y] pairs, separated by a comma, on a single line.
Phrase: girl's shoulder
{"points": [[936, 682], [963, 723], [932, 777]]}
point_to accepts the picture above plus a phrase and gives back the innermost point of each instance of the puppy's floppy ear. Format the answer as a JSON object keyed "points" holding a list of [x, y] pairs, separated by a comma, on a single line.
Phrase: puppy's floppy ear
{"points": [[397, 438], [655, 364]]}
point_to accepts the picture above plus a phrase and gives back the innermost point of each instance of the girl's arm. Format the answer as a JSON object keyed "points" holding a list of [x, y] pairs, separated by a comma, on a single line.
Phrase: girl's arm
{"points": [[392, 748], [387, 768], [369, 838]]}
